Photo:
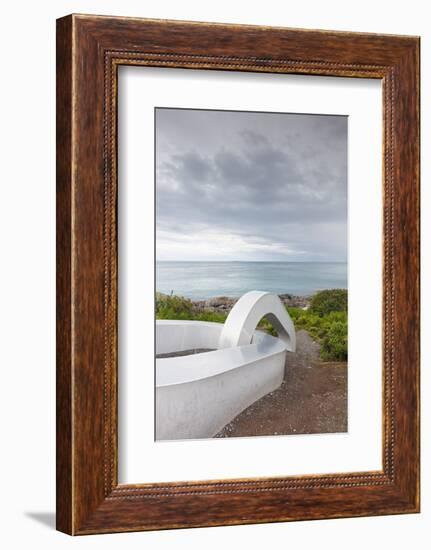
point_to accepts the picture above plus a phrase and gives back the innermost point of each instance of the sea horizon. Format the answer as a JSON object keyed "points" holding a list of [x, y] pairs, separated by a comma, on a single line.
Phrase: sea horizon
{"points": [[201, 279]]}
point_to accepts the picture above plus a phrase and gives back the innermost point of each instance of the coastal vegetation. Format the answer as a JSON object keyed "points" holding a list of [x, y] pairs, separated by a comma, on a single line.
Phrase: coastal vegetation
{"points": [[325, 319], [179, 308]]}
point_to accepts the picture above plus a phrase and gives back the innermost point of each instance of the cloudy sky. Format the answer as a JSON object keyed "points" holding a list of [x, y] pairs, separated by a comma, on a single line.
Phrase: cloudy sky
{"points": [[250, 186]]}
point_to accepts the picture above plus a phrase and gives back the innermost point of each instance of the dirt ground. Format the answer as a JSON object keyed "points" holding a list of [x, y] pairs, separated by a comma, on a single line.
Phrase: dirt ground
{"points": [[311, 399]]}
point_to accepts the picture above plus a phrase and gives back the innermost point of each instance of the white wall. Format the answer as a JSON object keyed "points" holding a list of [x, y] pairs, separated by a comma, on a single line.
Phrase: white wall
{"points": [[27, 236]]}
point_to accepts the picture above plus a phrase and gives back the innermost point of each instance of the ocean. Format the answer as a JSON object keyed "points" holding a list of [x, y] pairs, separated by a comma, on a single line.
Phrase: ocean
{"points": [[201, 280]]}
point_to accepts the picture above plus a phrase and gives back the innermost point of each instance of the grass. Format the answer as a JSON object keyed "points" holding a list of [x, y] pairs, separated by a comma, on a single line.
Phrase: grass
{"points": [[325, 320], [179, 308]]}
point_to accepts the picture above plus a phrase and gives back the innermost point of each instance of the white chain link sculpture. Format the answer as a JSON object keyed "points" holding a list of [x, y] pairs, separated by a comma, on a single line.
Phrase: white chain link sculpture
{"points": [[197, 395]]}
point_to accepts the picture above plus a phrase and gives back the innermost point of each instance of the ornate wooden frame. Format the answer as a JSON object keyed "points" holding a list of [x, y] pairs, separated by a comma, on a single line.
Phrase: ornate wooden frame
{"points": [[89, 51]]}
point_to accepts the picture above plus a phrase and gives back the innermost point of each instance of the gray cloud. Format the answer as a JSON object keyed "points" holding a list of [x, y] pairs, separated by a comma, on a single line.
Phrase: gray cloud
{"points": [[250, 186]]}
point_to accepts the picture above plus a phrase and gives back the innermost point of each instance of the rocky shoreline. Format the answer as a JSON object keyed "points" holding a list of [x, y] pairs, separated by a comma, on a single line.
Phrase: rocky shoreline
{"points": [[223, 304]]}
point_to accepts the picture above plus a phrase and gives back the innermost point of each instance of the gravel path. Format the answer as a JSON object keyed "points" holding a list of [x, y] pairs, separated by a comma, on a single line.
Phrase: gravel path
{"points": [[311, 399]]}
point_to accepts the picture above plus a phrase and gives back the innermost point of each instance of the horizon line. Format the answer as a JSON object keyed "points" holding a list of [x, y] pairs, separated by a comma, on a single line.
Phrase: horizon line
{"points": [[260, 261]]}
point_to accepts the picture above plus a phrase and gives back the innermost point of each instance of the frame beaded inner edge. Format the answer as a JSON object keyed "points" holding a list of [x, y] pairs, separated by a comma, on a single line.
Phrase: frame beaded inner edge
{"points": [[112, 60]]}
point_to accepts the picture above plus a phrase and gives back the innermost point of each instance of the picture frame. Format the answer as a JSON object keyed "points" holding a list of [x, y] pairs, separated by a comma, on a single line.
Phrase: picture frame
{"points": [[89, 51]]}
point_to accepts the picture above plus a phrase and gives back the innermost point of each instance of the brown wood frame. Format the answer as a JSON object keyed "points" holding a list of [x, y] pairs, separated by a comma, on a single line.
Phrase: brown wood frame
{"points": [[89, 51]]}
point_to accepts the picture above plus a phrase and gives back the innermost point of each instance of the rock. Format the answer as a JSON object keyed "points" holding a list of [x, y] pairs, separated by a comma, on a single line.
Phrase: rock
{"points": [[291, 300], [226, 303], [221, 302]]}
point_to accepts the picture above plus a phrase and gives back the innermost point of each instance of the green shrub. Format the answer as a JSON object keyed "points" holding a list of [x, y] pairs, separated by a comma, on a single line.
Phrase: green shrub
{"points": [[179, 308], [329, 330], [265, 325], [173, 307], [212, 316], [327, 301], [334, 342]]}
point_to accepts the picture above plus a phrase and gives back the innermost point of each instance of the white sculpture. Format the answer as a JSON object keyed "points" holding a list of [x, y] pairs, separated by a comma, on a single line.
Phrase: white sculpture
{"points": [[197, 395], [242, 321]]}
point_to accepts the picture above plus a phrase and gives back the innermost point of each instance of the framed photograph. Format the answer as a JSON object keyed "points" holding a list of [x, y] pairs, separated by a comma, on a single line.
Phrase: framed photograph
{"points": [[237, 274]]}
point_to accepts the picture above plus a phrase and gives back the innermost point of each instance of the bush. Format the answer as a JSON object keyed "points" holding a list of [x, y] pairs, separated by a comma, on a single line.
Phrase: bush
{"points": [[334, 342], [212, 316], [265, 325], [327, 301], [179, 308], [173, 307], [329, 330]]}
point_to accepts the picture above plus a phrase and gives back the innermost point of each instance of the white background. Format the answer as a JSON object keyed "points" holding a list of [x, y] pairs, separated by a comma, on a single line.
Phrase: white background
{"points": [[27, 122], [141, 458]]}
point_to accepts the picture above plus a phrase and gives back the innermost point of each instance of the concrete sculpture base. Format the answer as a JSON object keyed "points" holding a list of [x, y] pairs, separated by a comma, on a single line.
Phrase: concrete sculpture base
{"points": [[197, 395]]}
